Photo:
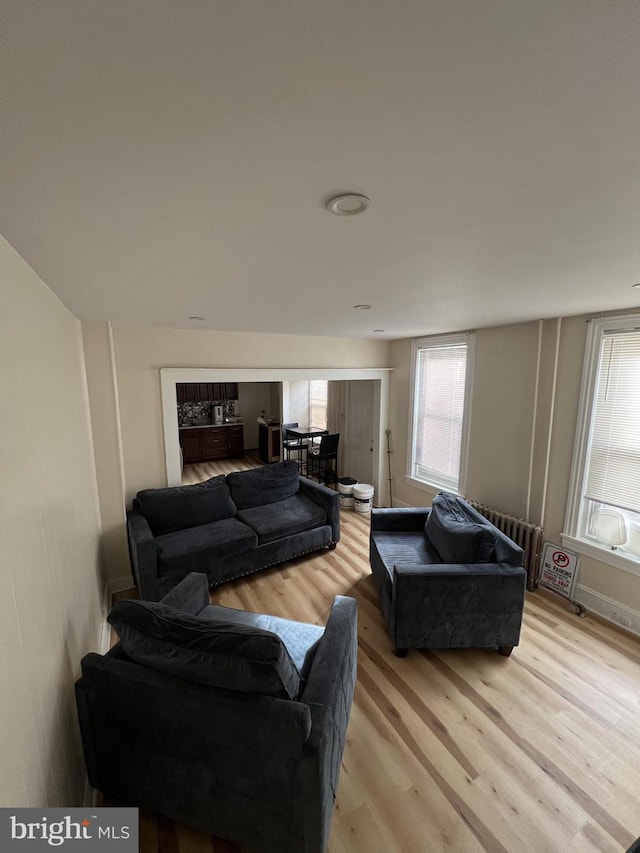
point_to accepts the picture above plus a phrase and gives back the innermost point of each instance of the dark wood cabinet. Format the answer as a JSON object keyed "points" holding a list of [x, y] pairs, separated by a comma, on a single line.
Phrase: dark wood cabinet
{"points": [[191, 443], [230, 390], [235, 440], [215, 443], [205, 392], [205, 443], [269, 442], [186, 392]]}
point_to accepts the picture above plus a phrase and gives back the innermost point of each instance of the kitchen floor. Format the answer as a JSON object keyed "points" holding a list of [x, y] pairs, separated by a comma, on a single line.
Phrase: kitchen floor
{"points": [[198, 472]]}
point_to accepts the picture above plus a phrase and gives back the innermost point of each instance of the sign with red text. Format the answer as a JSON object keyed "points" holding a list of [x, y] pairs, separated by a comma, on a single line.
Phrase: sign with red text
{"points": [[559, 569]]}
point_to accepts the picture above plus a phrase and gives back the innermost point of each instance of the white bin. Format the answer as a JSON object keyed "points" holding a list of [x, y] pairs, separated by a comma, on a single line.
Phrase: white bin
{"points": [[345, 492], [362, 497]]}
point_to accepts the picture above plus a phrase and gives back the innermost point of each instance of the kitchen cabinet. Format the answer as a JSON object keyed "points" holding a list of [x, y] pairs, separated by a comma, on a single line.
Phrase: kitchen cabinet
{"points": [[191, 444], [235, 440], [204, 392], [200, 444], [269, 442], [230, 390], [186, 392]]}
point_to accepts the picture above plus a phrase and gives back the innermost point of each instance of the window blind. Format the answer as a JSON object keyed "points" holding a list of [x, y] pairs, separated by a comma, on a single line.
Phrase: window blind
{"points": [[440, 392], [613, 460]]}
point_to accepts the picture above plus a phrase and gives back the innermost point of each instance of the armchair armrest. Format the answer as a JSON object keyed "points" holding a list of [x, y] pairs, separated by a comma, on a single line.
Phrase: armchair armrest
{"points": [[327, 499], [329, 689], [409, 519], [191, 595], [408, 571], [142, 553]]}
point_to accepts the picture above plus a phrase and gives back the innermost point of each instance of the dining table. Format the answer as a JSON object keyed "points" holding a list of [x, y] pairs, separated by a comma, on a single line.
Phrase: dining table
{"points": [[299, 434]]}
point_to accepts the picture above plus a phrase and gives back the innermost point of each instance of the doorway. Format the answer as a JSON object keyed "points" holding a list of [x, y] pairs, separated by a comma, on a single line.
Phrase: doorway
{"points": [[378, 377]]}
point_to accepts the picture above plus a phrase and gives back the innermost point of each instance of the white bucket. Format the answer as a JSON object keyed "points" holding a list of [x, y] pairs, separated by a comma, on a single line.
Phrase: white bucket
{"points": [[362, 497], [345, 492]]}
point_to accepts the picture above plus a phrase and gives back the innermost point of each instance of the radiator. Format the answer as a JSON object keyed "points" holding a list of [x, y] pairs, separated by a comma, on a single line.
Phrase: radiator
{"points": [[528, 536]]}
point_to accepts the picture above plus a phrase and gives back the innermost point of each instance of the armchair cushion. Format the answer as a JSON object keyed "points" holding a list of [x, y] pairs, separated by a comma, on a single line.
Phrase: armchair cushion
{"points": [[265, 485], [182, 507], [300, 638], [457, 532], [219, 653]]}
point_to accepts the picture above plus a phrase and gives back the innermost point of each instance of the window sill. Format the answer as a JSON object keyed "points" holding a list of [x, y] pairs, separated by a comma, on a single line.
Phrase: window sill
{"points": [[428, 487], [604, 555]]}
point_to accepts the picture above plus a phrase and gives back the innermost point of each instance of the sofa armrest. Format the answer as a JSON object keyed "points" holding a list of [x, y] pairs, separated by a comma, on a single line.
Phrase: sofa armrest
{"points": [[409, 519], [191, 595], [327, 499], [142, 553], [329, 689]]}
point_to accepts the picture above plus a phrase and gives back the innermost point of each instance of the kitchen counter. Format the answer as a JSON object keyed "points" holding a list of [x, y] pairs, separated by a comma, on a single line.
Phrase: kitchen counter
{"points": [[208, 426]]}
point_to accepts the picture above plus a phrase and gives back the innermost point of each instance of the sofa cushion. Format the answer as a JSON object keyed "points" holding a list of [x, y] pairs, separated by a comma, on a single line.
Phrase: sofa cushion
{"points": [[283, 518], [195, 549], [265, 485], [300, 638], [180, 507], [219, 653], [457, 532]]}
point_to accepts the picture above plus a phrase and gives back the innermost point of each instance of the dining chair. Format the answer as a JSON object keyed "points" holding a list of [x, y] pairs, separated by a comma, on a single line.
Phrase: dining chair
{"points": [[322, 460], [293, 445]]}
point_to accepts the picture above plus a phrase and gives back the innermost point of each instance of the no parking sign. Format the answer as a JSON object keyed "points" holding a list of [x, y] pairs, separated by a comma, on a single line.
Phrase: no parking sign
{"points": [[559, 569]]}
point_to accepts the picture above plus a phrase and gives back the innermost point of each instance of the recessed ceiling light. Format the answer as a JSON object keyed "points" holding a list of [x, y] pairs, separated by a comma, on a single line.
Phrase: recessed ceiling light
{"points": [[195, 317], [636, 285], [378, 330], [348, 204], [362, 307]]}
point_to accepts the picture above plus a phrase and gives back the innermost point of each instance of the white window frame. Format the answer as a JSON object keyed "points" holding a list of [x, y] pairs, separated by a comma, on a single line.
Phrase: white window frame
{"points": [[571, 538], [468, 338]]}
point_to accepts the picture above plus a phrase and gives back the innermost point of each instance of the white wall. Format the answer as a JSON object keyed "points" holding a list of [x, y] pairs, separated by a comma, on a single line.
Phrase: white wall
{"points": [[253, 399], [519, 453], [50, 583], [298, 403]]}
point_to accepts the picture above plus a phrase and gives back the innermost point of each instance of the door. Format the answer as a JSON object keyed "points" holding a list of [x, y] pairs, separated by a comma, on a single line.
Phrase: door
{"points": [[359, 429]]}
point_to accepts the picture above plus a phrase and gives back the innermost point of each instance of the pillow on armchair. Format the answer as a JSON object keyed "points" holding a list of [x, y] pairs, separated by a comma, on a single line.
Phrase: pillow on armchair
{"points": [[218, 653], [458, 533]]}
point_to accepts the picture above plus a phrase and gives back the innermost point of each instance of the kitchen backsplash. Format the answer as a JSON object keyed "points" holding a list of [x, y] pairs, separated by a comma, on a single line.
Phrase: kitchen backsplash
{"points": [[190, 411]]}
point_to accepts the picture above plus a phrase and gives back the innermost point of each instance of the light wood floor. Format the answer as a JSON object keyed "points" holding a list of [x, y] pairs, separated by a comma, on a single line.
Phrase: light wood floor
{"points": [[199, 471], [464, 750]]}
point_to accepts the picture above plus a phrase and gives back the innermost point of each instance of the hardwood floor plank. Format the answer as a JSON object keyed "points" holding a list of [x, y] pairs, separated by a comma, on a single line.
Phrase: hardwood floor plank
{"points": [[561, 778]]}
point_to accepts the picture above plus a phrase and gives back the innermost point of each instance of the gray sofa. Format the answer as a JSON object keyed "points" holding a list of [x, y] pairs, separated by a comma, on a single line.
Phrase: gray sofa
{"points": [[228, 526], [228, 721], [446, 577]]}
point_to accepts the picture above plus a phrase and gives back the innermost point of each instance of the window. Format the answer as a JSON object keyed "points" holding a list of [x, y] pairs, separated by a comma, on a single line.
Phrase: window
{"points": [[442, 370], [604, 507], [318, 403]]}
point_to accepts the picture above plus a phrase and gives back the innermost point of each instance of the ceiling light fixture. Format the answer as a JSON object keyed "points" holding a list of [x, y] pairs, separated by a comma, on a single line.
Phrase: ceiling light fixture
{"points": [[362, 307], [378, 330], [348, 204], [195, 317], [636, 285]]}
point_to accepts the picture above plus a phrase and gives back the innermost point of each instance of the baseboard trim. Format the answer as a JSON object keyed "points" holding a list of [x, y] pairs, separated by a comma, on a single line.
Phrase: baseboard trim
{"points": [[609, 609], [400, 504], [120, 584]]}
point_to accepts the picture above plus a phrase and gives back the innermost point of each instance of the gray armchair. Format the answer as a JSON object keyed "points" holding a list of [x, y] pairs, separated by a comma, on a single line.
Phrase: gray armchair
{"points": [[446, 577], [255, 759]]}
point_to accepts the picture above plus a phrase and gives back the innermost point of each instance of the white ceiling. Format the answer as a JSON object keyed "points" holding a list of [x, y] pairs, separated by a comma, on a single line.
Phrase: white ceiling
{"points": [[167, 158]]}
